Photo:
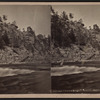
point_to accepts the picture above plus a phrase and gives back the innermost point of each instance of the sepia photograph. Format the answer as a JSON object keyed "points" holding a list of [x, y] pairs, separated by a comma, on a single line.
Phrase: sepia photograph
{"points": [[25, 49], [49, 50], [75, 48]]}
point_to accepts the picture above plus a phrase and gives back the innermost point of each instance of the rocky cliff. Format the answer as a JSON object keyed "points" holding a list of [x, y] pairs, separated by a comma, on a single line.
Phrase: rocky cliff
{"points": [[18, 46], [72, 40]]}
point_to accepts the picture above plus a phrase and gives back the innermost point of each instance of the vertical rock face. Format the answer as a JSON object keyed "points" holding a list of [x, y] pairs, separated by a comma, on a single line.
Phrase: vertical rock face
{"points": [[18, 46]]}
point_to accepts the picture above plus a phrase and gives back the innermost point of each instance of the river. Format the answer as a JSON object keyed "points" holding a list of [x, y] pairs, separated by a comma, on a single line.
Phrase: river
{"points": [[24, 80], [75, 79]]}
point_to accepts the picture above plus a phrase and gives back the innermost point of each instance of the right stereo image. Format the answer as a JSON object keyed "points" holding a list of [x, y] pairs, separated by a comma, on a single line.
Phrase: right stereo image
{"points": [[75, 48]]}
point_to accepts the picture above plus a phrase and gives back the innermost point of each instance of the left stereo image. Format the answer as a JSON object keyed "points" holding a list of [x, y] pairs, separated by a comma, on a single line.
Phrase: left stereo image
{"points": [[25, 49]]}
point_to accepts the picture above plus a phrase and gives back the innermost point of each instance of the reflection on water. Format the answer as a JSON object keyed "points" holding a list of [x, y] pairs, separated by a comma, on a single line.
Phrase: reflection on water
{"points": [[11, 72], [67, 70]]}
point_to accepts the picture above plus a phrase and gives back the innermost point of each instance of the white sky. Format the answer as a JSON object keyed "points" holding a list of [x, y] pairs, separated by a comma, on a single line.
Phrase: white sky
{"points": [[38, 17], [89, 13]]}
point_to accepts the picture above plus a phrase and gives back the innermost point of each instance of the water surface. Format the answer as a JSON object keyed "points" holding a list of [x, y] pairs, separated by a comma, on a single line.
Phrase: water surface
{"points": [[11, 72], [24, 79], [75, 79], [68, 70]]}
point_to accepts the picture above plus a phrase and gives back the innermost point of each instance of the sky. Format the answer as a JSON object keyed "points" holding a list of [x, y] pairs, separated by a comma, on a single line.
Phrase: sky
{"points": [[36, 16], [89, 13]]}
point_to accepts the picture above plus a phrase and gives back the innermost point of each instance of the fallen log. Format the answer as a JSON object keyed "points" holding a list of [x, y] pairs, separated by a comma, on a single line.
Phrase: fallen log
{"points": [[24, 59], [90, 57]]}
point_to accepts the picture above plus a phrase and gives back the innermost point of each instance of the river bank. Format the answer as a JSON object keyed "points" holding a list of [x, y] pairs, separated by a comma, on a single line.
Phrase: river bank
{"points": [[75, 54], [87, 63]]}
